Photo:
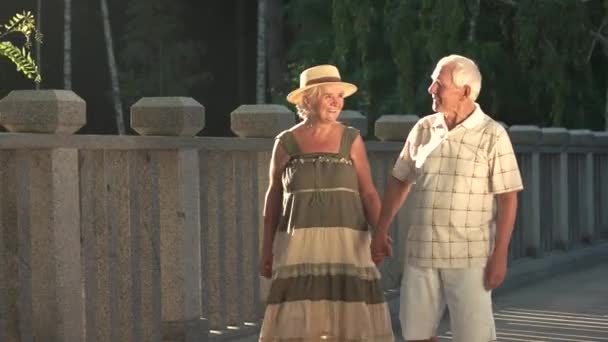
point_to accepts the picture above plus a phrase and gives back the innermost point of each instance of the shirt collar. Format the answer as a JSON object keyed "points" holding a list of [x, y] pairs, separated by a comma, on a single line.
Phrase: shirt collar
{"points": [[473, 120], [438, 121]]}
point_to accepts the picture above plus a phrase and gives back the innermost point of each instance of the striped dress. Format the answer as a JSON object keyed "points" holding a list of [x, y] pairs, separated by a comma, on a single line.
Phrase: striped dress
{"points": [[325, 286]]}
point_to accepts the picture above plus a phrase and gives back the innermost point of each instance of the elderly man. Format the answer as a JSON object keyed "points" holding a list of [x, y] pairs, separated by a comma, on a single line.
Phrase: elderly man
{"points": [[464, 177]]}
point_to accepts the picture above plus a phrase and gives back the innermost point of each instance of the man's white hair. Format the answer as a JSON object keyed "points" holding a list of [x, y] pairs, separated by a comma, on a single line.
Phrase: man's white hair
{"points": [[464, 72]]}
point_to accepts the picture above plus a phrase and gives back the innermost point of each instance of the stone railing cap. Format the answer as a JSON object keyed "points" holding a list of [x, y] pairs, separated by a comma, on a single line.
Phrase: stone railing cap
{"points": [[394, 127], [260, 120], [166, 101], [525, 134], [555, 136], [351, 113], [261, 109], [600, 138], [525, 128], [168, 116], [43, 111], [398, 118], [581, 132], [355, 119], [581, 137]]}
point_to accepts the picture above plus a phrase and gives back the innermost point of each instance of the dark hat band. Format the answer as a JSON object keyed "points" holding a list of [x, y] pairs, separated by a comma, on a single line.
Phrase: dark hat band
{"points": [[323, 80]]}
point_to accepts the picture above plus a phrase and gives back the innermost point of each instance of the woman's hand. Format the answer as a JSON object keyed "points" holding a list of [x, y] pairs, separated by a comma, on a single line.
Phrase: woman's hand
{"points": [[381, 247], [266, 265]]}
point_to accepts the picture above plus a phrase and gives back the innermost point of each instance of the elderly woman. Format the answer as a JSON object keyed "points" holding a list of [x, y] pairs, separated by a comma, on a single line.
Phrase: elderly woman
{"points": [[319, 205]]}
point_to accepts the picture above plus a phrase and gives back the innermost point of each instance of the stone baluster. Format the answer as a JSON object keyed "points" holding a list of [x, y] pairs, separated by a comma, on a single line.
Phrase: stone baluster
{"points": [[530, 197], [559, 137], [166, 207], [260, 121], [44, 292], [583, 138]]}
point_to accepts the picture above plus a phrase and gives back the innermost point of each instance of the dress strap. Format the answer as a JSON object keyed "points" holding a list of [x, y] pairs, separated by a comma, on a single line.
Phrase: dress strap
{"points": [[349, 135], [289, 142]]}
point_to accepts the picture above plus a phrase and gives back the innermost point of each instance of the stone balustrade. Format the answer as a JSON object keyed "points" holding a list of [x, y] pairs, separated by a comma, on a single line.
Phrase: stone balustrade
{"points": [[156, 237]]}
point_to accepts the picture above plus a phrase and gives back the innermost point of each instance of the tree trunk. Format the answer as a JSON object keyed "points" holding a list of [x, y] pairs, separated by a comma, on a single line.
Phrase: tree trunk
{"points": [[243, 92], [261, 54], [277, 60], [67, 44], [39, 29], [605, 49], [606, 110], [473, 20], [120, 121]]}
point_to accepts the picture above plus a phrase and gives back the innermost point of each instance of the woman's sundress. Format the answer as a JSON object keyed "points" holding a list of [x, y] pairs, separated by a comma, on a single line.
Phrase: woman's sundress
{"points": [[325, 286]]}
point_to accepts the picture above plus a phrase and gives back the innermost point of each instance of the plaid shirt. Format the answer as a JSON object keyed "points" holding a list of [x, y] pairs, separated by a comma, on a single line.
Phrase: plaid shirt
{"points": [[456, 175]]}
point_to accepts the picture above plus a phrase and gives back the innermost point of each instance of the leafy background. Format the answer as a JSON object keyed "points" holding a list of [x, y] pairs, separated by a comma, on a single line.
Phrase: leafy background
{"points": [[544, 62]]}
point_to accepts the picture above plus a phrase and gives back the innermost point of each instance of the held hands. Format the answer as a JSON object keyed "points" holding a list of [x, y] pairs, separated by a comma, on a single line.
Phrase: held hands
{"points": [[496, 270], [381, 247], [266, 265]]}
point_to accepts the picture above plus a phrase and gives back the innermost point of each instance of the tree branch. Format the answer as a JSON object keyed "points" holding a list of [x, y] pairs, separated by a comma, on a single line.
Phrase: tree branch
{"points": [[510, 3], [513, 3], [602, 39], [593, 43]]}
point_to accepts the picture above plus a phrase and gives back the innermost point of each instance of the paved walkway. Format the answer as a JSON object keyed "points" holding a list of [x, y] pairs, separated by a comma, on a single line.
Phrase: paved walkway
{"points": [[567, 307]]}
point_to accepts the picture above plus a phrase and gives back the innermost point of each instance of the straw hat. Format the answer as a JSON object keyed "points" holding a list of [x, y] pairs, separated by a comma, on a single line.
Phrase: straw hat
{"points": [[319, 75]]}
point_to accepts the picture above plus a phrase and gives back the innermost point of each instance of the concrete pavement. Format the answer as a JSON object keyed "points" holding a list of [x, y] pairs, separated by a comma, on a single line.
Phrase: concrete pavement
{"points": [[567, 307], [563, 298]]}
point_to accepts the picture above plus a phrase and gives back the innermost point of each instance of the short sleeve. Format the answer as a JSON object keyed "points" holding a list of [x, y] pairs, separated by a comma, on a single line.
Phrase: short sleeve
{"points": [[404, 169], [504, 172]]}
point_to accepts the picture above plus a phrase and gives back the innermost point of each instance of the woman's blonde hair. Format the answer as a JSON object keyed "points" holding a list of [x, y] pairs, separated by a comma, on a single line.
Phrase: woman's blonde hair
{"points": [[307, 105]]}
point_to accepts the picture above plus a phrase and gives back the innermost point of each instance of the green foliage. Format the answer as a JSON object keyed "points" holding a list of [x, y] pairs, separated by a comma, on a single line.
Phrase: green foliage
{"points": [[157, 58], [360, 50], [310, 23], [533, 54], [546, 46], [22, 24]]}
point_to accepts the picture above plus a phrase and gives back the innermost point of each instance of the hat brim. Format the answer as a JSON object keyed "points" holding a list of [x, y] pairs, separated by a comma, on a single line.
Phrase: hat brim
{"points": [[296, 96]]}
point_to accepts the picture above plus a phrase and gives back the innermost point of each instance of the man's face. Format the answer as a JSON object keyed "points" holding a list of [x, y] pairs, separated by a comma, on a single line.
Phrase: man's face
{"points": [[446, 96]]}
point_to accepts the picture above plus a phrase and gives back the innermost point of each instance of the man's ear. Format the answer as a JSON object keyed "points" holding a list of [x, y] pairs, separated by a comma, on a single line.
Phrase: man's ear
{"points": [[466, 91]]}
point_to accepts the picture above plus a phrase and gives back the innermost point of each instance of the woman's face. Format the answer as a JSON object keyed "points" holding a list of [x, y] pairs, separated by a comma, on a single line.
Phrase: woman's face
{"points": [[330, 102]]}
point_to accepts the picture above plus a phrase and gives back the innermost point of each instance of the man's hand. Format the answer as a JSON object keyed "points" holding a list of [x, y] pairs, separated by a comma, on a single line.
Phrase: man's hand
{"points": [[496, 270], [381, 247]]}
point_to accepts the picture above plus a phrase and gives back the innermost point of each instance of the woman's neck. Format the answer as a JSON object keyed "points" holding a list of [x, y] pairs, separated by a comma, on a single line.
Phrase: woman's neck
{"points": [[317, 126]]}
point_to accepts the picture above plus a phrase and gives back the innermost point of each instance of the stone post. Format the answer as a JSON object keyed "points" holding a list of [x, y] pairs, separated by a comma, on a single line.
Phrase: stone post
{"points": [[262, 121], [530, 197], [355, 119], [559, 137], [601, 184], [179, 193], [394, 127], [583, 138], [47, 224]]}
